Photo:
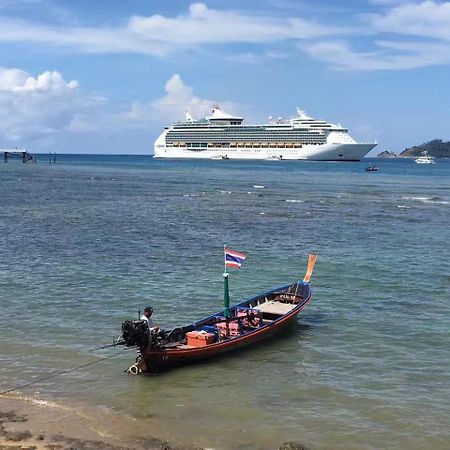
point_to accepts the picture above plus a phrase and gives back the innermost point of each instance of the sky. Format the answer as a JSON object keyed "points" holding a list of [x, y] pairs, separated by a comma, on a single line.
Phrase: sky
{"points": [[106, 76]]}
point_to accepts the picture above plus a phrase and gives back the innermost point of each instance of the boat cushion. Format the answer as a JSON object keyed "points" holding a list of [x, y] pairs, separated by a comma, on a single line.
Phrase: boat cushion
{"points": [[249, 317], [234, 328]]}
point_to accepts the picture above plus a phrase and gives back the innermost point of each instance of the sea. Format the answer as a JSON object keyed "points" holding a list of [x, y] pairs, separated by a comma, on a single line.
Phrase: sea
{"points": [[91, 240]]}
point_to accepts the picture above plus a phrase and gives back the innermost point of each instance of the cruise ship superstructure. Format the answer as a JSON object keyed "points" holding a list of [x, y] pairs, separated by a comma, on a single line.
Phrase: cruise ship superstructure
{"points": [[223, 136]]}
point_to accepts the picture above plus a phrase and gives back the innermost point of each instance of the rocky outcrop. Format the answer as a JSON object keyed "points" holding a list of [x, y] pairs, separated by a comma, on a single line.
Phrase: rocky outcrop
{"points": [[292, 446], [387, 154]]}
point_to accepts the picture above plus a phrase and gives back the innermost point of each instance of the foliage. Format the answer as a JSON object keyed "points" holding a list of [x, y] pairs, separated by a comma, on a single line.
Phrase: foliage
{"points": [[435, 148]]}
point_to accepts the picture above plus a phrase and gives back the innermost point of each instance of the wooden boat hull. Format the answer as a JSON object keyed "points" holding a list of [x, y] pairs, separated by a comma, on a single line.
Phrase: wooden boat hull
{"points": [[157, 359]]}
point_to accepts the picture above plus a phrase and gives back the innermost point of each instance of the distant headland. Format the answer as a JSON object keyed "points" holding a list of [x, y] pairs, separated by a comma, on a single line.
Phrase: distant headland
{"points": [[387, 154], [435, 148]]}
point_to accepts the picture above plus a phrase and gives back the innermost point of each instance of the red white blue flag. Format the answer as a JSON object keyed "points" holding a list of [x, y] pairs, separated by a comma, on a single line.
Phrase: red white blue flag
{"points": [[234, 259]]}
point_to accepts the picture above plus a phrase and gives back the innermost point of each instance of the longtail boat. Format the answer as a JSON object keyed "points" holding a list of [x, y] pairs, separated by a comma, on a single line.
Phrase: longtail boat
{"points": [[229, 329]]}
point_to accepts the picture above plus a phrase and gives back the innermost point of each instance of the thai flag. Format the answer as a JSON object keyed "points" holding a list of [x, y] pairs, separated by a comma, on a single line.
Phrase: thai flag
{"points": [[234, 259]]}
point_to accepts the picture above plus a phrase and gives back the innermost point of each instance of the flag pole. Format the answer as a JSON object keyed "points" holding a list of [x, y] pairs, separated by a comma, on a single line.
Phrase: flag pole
{"points": [[226, 292], [224, 258], [226, 296]]}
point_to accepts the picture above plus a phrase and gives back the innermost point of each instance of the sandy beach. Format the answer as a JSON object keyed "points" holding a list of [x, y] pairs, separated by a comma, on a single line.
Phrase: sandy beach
{"points": [[28, 423]]}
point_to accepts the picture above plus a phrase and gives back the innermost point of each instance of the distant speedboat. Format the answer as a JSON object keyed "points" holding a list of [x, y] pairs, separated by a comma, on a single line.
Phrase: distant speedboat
{"points": [[372, 169], [425, 159]]}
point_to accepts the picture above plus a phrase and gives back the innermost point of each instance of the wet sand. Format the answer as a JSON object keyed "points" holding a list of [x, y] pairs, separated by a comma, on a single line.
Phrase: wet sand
{"points": [[29, 423]]}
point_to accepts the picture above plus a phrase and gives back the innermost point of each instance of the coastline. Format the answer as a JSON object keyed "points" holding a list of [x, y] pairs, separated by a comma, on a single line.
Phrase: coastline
{"points": [[28, 423]]}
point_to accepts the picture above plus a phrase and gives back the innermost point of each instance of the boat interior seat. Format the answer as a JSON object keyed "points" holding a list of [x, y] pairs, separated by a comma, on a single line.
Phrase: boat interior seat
{"points": [[274, 307], [259, 301]]}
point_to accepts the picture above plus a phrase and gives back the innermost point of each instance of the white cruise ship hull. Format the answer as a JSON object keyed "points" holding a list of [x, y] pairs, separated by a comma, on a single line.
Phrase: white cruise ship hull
{"points": [[222, 136], [324, 152]]}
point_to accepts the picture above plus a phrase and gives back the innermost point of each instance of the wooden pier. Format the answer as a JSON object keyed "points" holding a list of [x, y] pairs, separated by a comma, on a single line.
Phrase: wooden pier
{"points": [[17, 153]]}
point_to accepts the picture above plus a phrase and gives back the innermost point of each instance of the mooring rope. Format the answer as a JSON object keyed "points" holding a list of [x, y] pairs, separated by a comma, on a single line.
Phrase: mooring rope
{"points": [[58, 374]]}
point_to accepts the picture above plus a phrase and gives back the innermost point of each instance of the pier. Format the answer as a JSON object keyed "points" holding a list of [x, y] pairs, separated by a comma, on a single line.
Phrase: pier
{"points": [[17, 153]]}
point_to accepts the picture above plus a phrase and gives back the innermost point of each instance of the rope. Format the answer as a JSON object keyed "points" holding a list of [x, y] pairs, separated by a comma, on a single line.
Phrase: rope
{"points": [[58, 374]]}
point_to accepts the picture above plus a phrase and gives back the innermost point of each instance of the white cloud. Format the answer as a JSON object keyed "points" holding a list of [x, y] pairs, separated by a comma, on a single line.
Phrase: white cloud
{"points": [[203, 25], [426, 24], [255, 58], [52, 8], [388, 55], [178, 99], [35, 107], [389, 2], [110, 115], [15, 80], [158, 35], [428, 19]]}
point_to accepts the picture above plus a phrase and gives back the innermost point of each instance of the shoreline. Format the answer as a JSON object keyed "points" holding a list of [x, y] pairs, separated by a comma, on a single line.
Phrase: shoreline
{"points": [[28, 423]]}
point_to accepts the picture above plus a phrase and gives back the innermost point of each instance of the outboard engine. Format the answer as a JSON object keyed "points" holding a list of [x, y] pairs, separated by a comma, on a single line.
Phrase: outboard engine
{"points": [[135, 333]]}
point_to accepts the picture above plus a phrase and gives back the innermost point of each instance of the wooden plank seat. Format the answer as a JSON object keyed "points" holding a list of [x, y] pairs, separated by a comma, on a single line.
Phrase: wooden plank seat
{"points": [[274, 307]]}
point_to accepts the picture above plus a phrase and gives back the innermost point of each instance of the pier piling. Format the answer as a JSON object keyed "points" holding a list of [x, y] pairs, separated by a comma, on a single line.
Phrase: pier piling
{"points": [[16, 153]]}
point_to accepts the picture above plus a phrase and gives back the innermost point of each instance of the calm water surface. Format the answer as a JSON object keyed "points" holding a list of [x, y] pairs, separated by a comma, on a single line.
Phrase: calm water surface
{"points": [[89, 241]]}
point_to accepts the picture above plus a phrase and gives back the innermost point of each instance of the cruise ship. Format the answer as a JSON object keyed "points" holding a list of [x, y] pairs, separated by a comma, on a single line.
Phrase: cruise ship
{"points": [[224, 136]]}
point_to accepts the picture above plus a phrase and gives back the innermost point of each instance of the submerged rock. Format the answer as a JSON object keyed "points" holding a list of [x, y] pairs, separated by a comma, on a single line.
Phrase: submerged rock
{"points": [[292, 446], [14, 436]]}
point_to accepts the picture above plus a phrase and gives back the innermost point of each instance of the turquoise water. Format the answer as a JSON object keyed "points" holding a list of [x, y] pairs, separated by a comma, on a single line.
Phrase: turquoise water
{"points": [[87, 242]]}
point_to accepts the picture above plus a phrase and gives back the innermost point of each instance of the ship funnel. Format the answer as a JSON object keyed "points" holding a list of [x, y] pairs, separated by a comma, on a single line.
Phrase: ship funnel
{"points": [[188, 117]]}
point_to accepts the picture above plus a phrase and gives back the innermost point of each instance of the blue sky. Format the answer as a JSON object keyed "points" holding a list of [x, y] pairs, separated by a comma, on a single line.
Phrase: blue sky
{"points": [[106, 76]]}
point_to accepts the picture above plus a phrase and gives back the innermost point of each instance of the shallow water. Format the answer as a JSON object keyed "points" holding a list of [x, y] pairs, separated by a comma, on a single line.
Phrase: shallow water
{"points": [[89, 241]]}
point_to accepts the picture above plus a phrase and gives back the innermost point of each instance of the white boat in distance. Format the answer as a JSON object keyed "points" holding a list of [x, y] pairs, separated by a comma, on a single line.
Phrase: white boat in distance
{"points": [[425, 159], [223, 136]]}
